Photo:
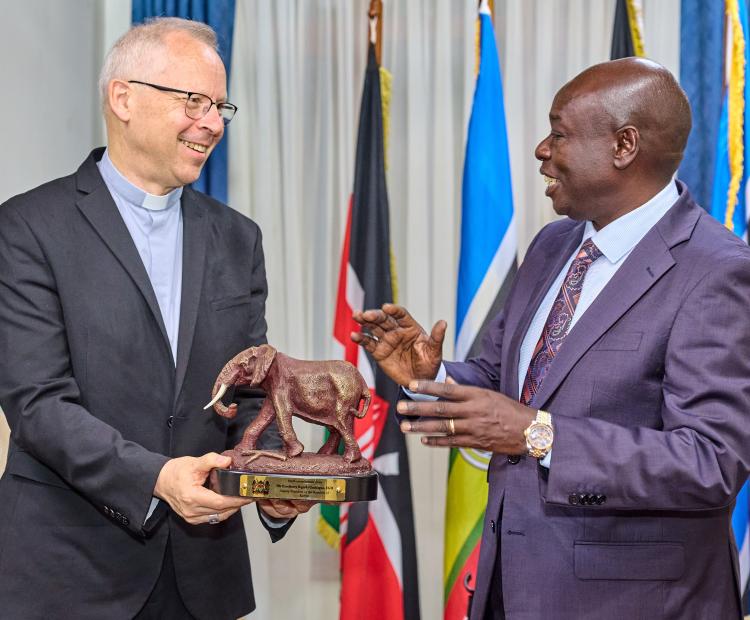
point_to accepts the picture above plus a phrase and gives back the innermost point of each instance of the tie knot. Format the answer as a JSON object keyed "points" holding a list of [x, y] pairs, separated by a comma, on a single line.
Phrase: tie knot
{"points": [[588, 252]]}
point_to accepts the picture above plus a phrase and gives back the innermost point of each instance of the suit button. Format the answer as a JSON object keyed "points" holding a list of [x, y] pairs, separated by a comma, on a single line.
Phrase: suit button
{"points": [[492, 526], [514, 459], [573, 499], [600, 499], [585, 499], [170, 421]]}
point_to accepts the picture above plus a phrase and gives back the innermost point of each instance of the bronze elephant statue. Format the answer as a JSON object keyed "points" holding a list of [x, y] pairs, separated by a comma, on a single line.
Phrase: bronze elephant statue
{"points": [[327, 393]]}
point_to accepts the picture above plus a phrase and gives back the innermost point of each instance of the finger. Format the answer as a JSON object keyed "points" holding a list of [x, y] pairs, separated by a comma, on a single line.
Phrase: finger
{"points": [[448, 391], [210, 518], [278, 509], [431, 409], [367, 343], [440, 426], [437, 335], [203, 501], [451, 441], [302, 506], [209, 461], [397, 313], [370, 316]]}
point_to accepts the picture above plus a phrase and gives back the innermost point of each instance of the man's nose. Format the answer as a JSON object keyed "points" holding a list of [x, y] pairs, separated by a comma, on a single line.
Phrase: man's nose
{"points": [[213, 121], [542, 150]]}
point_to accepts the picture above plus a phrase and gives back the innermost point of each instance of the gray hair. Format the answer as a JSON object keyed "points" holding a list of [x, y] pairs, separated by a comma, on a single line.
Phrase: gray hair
{"points": [[132, 49]]}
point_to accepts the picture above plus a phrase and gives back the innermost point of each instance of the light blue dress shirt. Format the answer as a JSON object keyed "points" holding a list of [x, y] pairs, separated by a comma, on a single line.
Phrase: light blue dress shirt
{"points": [[155, 224], [616, 241]]}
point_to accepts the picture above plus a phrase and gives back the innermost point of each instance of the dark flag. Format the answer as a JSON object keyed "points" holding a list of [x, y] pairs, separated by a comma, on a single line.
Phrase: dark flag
{"points": [[627, 33], [378, 555]]}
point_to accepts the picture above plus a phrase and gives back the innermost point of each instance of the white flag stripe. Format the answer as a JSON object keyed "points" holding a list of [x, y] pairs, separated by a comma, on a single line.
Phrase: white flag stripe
{"points": [[387, 464], [385, 523], [355, 294], [485, 296], [366, 437]]}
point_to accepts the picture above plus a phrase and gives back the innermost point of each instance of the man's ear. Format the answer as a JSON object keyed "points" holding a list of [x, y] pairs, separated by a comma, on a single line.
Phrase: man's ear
{"points": [[627, 146], [119, 96]]}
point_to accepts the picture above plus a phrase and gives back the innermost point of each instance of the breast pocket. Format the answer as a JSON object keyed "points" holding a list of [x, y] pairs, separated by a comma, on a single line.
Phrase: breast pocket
{"points": [[619, 341], [230, 302]]}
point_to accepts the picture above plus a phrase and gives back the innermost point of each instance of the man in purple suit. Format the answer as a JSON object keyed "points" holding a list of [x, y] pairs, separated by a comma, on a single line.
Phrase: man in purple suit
{"points": [[613, 388]]}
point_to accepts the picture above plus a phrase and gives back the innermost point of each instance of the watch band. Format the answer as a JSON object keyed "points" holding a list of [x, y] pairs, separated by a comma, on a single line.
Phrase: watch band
{"points": [[539, 435]]}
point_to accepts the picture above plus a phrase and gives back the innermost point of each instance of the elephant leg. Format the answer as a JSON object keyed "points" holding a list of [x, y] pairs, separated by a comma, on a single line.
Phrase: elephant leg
{"points": [[284, 421], [255, 429], [331, 446], [346, 428]]}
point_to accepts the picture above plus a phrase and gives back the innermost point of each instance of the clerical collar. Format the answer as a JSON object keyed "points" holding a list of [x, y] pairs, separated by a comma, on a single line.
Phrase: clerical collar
{"points": [[132, 194]]}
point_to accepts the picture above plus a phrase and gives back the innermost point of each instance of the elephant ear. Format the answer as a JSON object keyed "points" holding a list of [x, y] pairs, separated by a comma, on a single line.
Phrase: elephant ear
{"points": [[265, 354]]}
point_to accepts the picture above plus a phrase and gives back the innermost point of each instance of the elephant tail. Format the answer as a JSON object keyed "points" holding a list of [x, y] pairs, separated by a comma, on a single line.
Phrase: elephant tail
{"points": [[366, 397]]}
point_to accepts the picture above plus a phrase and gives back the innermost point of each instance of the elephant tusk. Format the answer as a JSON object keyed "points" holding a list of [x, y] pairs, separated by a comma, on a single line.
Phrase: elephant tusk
{"points": [[219, 394]]}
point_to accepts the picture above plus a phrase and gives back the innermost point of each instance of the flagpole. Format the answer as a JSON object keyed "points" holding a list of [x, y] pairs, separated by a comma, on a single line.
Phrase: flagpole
{"points": [[376, 26]]}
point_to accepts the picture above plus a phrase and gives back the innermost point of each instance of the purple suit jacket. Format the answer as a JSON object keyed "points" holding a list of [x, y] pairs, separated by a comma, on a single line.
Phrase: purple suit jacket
{"points": [[650, 399]]}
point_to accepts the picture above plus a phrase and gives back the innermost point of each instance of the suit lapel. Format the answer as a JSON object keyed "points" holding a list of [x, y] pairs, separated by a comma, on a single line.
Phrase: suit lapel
{"points": [[555, 252], [100, 210], [193, 267], [648, 262]]}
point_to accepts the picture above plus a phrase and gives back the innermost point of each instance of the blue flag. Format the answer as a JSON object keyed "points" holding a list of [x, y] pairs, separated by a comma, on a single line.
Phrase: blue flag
{"points": [[715, 79], [219, 14]]}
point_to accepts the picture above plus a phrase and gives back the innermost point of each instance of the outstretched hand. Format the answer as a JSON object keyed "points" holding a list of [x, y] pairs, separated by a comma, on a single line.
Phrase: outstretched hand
{"points": [[180, 484], [467, 417], [400, 346]]}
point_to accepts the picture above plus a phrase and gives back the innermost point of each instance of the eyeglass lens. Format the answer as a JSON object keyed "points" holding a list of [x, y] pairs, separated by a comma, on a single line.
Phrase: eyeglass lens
{"points": [[197, 106]]}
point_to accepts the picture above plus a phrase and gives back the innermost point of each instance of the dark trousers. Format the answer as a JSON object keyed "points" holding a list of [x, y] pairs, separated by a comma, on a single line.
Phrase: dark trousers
{"points": [[164, 602]]}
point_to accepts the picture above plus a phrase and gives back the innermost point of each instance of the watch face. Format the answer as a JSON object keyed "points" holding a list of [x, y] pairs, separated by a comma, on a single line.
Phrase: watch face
{"points": [[540, 436]]}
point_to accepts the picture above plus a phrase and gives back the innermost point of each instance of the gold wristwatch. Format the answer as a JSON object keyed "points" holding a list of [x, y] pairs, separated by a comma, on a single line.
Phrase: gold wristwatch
{"points": [[539, 435]]}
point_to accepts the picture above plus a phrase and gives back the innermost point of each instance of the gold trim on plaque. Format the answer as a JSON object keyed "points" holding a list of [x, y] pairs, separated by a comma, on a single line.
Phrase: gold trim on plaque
{"points": [[287, 487]]}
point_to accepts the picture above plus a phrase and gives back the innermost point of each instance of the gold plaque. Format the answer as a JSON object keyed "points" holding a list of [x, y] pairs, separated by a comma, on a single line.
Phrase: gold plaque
{"points": [[287, 487]]}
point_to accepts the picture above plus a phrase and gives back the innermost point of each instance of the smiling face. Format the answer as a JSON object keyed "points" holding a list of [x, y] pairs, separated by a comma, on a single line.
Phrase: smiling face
{"points": [[157, 147], [578, 156]]}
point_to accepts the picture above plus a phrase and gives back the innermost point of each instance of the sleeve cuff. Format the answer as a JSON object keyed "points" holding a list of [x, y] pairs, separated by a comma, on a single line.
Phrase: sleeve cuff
{"points": [[439, 378]]}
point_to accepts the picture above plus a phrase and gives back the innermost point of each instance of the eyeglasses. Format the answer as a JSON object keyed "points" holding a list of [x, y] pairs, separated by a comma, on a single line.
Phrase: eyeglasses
{"points": [[197, 105]]}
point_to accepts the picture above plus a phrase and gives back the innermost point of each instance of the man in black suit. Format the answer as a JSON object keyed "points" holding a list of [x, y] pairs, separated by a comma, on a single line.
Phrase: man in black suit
{"points": [[122, 293]]}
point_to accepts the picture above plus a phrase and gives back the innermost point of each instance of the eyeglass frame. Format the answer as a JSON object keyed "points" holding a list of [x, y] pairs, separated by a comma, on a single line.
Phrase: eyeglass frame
{"points": [[167, 89]]}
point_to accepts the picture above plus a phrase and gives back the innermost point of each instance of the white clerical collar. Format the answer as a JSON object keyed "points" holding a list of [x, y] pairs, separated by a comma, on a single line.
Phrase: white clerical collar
{"points": [[133, 194]]}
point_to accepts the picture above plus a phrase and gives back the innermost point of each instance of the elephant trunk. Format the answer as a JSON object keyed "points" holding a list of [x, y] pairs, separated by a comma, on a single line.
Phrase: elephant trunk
{"points": [[227, 377]]}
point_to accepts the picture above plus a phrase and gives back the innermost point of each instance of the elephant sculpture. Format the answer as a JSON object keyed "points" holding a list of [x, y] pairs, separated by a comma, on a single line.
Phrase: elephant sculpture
{"points": [[327, 393]]}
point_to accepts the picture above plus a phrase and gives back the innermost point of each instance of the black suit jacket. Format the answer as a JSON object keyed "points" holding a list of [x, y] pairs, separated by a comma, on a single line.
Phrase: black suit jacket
{"points": [[96, 405]]}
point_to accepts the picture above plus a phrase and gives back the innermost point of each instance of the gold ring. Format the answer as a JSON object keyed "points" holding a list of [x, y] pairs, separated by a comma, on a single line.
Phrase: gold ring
{"points": [[451, 427]]}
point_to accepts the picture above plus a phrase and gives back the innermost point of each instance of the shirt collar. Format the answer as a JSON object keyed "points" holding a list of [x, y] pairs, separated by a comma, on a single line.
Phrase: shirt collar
{"points": [[133, 194], [619, 237]]}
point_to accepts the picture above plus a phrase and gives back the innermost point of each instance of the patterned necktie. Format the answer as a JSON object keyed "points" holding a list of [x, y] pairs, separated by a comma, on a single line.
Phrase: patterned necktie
{"points": [[558, 321]]}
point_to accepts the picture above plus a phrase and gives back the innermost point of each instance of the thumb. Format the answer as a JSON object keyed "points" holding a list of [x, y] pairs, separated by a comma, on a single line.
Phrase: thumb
{"points": [[211, 460], [438, 333]]}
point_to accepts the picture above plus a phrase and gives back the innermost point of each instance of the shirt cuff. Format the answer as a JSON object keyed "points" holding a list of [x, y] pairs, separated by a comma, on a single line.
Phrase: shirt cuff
{"points": [[151, 508], [441, 376], [546, 460]]}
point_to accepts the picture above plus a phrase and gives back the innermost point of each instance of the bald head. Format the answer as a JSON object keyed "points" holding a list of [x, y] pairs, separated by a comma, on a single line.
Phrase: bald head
{"points": [[643, 94], [617, 134]]}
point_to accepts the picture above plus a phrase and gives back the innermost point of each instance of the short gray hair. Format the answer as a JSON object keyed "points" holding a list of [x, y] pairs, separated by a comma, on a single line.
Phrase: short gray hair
{"points": [[131, 50]]}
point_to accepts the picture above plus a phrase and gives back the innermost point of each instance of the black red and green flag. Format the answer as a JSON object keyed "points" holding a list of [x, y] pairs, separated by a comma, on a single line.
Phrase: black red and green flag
{"points": [[627, 32], [378, 555]]}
